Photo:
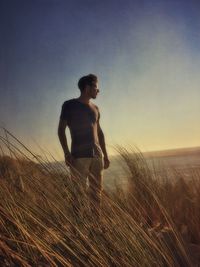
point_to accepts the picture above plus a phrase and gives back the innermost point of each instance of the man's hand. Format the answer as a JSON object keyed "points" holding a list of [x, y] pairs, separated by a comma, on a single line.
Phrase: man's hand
{"points": [[69, 159], [106, 162]]}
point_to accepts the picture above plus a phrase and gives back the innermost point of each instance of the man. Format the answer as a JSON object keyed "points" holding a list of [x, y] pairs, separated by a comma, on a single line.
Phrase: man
{"points": [[88, 156]]}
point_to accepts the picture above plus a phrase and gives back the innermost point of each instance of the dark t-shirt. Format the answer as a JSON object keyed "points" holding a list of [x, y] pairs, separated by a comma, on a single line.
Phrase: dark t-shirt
{"points": [[82, 122]]}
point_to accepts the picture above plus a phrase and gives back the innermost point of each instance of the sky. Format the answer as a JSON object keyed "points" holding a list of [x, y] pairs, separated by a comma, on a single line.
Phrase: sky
{"points": [[145, 53]]}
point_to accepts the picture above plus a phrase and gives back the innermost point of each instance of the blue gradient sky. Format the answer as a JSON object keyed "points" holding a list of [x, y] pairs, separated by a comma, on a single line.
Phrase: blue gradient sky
{"points": [[145, 53]]}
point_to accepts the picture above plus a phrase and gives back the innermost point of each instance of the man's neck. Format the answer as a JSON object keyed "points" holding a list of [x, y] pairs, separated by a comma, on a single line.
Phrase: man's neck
{"points": [[84, 99]]}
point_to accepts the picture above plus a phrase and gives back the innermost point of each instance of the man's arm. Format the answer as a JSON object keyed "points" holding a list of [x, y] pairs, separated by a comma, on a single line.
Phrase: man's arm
{"points": [[102, 141], [63, 141], [103, 145]]}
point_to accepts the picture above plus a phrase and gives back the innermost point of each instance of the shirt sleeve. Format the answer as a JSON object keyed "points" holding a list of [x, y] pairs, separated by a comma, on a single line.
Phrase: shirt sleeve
{"points": [[64, 115]]}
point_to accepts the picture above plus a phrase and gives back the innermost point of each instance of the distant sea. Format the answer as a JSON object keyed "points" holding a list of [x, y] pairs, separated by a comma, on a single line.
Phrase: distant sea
{"points": [[185, 161]]}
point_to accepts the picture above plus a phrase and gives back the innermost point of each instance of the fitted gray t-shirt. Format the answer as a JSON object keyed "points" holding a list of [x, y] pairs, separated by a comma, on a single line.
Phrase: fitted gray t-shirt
{"points": [[82, 122]]}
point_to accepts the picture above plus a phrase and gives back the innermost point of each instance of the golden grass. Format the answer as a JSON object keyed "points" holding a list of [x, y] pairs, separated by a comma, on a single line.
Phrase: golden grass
{"points": [[151, 224]]}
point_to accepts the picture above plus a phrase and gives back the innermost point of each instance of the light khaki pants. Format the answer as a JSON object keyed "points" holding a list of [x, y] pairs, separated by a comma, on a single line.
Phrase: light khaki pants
{"points": [[91, 169]]}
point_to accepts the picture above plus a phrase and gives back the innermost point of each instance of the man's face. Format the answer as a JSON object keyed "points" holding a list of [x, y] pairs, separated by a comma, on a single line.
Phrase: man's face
{"points": [[93, 90]]}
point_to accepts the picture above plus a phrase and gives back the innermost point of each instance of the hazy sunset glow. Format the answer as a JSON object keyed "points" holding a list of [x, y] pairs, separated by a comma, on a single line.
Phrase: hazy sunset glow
{"points": [[145, 53]]}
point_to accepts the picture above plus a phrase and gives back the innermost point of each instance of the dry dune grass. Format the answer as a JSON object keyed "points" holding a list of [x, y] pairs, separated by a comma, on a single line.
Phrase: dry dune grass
{"points": [[154, 223]]}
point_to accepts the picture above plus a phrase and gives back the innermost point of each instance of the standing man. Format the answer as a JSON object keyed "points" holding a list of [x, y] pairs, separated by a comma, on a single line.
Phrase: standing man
{"points": [[88, 156]]}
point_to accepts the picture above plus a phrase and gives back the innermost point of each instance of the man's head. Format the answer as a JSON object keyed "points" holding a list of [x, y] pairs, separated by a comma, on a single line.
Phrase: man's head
{"points": [[88, 85]]}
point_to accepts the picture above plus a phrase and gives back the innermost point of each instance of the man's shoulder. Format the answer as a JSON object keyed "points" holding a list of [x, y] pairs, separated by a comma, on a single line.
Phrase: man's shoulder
{"points": [[69, 102], [95, 106]]}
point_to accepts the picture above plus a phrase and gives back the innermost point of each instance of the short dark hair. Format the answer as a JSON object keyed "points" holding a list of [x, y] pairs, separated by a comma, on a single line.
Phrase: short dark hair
{"points": [[86, 80]]}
